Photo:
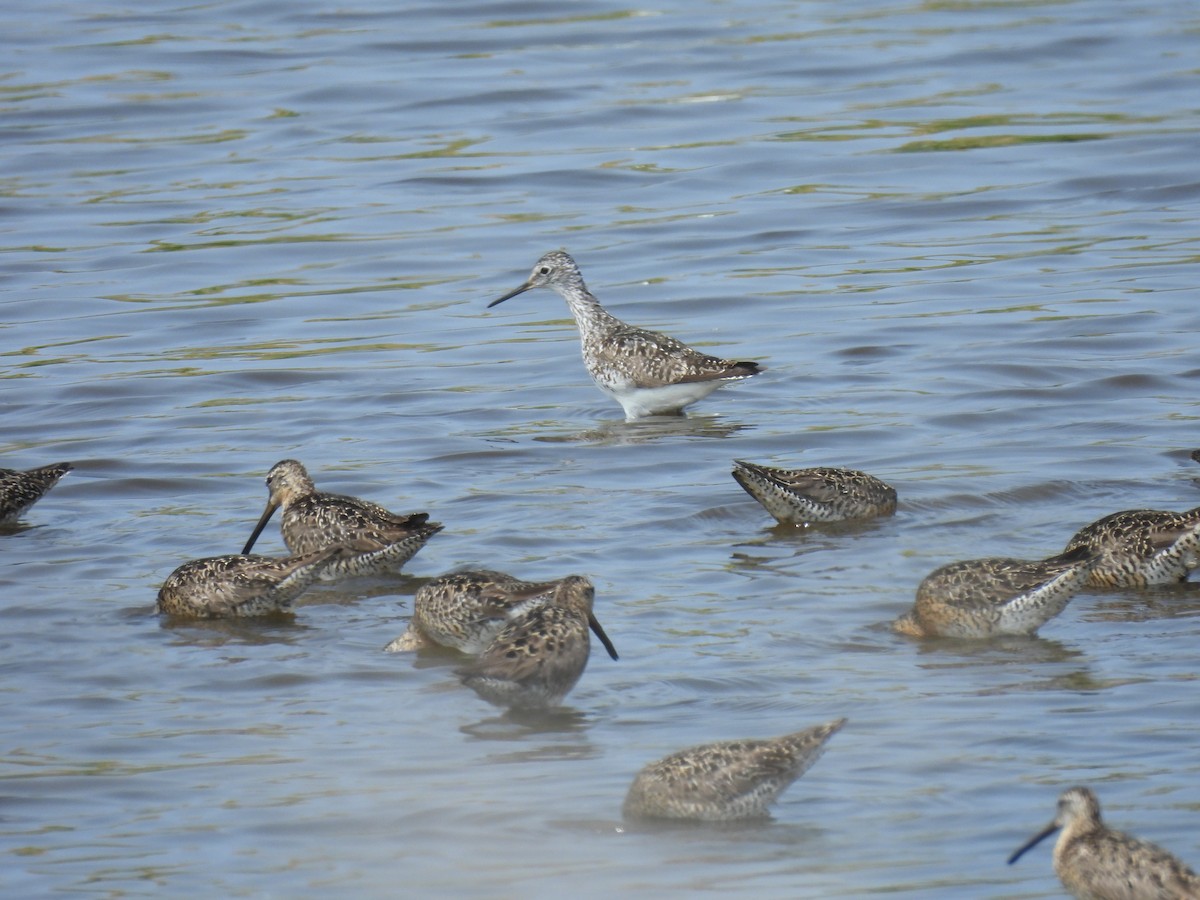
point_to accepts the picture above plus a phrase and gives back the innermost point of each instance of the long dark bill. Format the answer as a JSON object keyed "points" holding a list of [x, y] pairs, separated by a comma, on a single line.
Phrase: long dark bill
{"points": [[599, 632], [522, 289], [262, 523], [1034, 841]]}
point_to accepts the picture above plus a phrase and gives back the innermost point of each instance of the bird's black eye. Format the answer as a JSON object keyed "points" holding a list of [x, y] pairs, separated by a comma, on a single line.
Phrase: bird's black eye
{"points": [[544, 270]]}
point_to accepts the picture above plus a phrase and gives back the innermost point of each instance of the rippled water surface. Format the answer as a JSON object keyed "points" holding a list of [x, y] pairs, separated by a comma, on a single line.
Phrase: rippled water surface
{"points": [[963, 238]]}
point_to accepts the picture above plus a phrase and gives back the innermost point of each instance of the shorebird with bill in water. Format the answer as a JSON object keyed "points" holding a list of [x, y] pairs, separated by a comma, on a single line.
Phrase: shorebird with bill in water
{"points": [[533, 662], [466, 610], [727, 780], [237, 585], [822, 494], [372, 540], [19, 490], [1141, 547], [1095, 862], [978, 598], [648, 373]]}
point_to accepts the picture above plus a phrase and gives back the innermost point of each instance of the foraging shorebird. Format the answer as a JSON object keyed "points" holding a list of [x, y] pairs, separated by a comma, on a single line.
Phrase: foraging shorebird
{"points": [[1141, 547], [237, 585], [727, 780], [648, 373], [1095, 862], [535, 660], [800, 496], [986, 597], [373, 539], [20, 490], [466, 610]]}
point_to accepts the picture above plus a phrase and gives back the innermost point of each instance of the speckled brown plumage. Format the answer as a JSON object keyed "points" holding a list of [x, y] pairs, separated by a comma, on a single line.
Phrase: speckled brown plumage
{"points": [[997, 595], [726, 780], [19, 490], [1141, 547], [373, 539], [239, 585], [1095, 862], [535, 660], [822, 494], [466, 610], [648, 373]]}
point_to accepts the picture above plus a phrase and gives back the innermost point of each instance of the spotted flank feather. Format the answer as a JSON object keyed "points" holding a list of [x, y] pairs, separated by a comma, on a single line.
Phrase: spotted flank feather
{"points": [[986, 597], [373, 539], [19, 490], [727, 780], [466, 610], [823, 494], [1141, 547], [239, 585], [648, 373], [535, 660]]}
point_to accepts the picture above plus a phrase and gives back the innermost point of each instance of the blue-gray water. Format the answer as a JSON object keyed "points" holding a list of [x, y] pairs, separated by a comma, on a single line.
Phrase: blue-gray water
{"points": [[962, 236]]}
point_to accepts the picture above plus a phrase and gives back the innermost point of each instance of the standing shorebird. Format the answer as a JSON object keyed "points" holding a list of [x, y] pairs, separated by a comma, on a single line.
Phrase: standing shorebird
{"points": [[535, 660], [979, 598], [231, 586], [648, 373], [20, 490], [373, 539], [800, 496], [1141, 547], [1095, 862], [727, 780], [466, 610]]}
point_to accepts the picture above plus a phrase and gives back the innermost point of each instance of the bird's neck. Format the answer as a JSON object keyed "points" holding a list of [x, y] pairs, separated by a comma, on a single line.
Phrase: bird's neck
{"points": [[589, 315]]}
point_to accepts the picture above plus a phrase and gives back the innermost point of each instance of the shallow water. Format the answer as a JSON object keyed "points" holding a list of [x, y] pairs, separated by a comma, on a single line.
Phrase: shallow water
{"points": [[962, 237]]}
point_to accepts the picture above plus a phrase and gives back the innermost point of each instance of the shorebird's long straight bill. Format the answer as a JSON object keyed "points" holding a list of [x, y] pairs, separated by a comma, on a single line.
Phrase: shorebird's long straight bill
{"points": [[522, 289], [599, 632], [1033, 841], [262, 523]]}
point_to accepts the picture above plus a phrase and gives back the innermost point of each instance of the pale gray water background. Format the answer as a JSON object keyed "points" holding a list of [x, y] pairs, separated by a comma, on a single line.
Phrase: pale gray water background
{"points": [[962, 236]]}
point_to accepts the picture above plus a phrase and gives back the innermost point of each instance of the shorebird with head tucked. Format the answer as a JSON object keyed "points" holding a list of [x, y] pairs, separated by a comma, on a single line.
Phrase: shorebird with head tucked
{"points": [[648, 373], [822, 494], [20, 490], [466, 610], [535, 660], [978, 598], [727, 780], [1141, 547], [372, 539], [238, 585], [1095, 862]]}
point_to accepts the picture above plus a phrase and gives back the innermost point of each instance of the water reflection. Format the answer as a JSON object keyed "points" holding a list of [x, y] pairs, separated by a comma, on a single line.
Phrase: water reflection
{"points": [[278, 628], [1169, 601], [770, 829], [1002, 650], [518, 725], [795, 541], [356, 590], [652, 428]]}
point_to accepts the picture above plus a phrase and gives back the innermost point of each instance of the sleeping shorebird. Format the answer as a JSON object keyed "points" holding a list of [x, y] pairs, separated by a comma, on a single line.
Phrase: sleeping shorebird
{"points": [[238, 585], [373, 539], [648, 373], [800, 496], [20, 490], [535, 660], [986, 597], [1095, 862], [727, 780], [1141, 547]]}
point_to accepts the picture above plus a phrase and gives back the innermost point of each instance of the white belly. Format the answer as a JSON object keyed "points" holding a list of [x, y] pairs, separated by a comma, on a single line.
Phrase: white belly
{"points": [[672, 398]]}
